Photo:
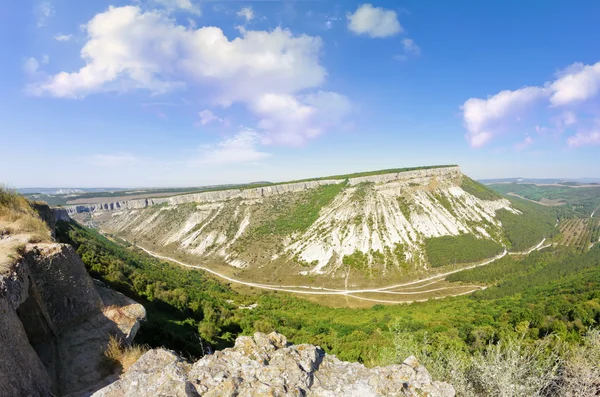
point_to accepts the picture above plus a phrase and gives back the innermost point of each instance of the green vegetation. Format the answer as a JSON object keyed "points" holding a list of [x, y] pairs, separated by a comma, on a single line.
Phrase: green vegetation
{"points": [[525, 230], [304, 213], [558, 292], [445, 202], [577, 201], [464, 248], [501, 269], [357, 260], [478, 190]]}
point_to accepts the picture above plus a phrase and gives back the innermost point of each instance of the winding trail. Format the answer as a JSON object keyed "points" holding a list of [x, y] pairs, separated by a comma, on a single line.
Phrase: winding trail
{"points": [[310, 290], [529, 251], [321, 290]]}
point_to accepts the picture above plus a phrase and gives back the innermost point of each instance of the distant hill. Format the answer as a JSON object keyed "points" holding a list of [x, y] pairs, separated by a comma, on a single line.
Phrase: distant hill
{"points": [[362, 228]]}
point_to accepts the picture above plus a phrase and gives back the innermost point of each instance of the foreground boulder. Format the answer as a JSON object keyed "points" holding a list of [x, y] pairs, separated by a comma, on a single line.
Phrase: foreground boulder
{"points": [[56, 323], [266, 365]]}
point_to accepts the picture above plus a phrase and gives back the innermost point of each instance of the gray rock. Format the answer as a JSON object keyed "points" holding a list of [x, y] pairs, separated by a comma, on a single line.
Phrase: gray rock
{"points": [[158, 372], [266, 365], [55, 325]]}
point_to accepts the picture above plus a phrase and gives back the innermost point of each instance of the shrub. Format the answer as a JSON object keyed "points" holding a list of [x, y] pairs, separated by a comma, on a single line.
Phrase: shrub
{"points": [[581, 373], [123, 356]]}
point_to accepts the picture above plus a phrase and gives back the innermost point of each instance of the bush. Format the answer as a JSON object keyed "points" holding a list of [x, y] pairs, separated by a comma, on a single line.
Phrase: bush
{"points": [[581, 373], [122, 356]]}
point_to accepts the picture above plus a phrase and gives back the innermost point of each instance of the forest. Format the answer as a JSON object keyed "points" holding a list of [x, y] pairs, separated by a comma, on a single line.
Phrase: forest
{"points": [[552, 292]]}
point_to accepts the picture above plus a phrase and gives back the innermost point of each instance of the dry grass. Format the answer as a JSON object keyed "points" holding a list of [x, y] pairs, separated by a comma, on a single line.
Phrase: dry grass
{"points": [[17, 214], [121, 355]]}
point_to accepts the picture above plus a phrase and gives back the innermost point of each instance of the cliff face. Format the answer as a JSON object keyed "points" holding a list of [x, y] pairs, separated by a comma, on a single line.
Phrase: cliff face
{"points": [[381, 221], [56, 323], [266, 365], [259, 192]]}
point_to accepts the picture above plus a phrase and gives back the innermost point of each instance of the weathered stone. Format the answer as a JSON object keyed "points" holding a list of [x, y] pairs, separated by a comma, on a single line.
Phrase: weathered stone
{"points": [[55, 325], [266, 365], [158, 372], [21, 370], [66, 292]]}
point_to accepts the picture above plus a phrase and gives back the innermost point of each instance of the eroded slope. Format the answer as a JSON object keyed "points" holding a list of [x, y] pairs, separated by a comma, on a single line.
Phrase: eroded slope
{"points": [[373, 226]]}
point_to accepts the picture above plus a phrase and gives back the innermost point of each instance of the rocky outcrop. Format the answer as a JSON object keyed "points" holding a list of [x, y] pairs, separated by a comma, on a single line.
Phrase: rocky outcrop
{"points": [[266, 365], [56, 323], [258, 192], [61, 214]]}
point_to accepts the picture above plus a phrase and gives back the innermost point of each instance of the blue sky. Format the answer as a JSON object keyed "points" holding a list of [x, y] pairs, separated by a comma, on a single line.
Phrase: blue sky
{"points": [[186, 93]]}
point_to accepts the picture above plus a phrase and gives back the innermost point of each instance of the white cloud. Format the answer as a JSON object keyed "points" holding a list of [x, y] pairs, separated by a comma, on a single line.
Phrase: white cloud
{"points": [[292, 120], [179, 5], [566, 99], [484, 118], [43, 12], [411, 47], [241, 148], [147, 50], [584, 138], [128, 49], [207, 117], [576, 83], [45, 59], [112, 160], [63, 37], [374, 21], [246, 13]]}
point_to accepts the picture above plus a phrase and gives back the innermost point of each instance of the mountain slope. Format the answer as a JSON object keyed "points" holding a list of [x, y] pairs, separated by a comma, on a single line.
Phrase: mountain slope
{"points": [[371, 227]]}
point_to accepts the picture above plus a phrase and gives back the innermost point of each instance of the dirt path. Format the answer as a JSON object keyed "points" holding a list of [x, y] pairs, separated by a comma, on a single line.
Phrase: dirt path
{"points": [[310, 290], [529, 251], [597, 208]]}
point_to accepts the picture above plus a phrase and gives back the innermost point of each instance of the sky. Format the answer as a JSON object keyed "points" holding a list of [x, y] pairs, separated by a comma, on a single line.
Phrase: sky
{"points": [[165, 93]]}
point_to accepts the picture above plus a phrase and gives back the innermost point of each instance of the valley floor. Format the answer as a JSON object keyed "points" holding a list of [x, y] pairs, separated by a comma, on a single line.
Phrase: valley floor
{"points": [[424, 289]]}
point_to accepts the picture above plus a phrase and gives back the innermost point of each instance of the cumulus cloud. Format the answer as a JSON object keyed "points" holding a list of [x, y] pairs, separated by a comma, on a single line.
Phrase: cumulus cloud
{"points": [[129, 49], [246, 13], [374, 21], [562, 99], [43, 12], [292, 120], [207, 117], [179, 5], [240, 148], [63, 37], [577, 83], [483, 118]]}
